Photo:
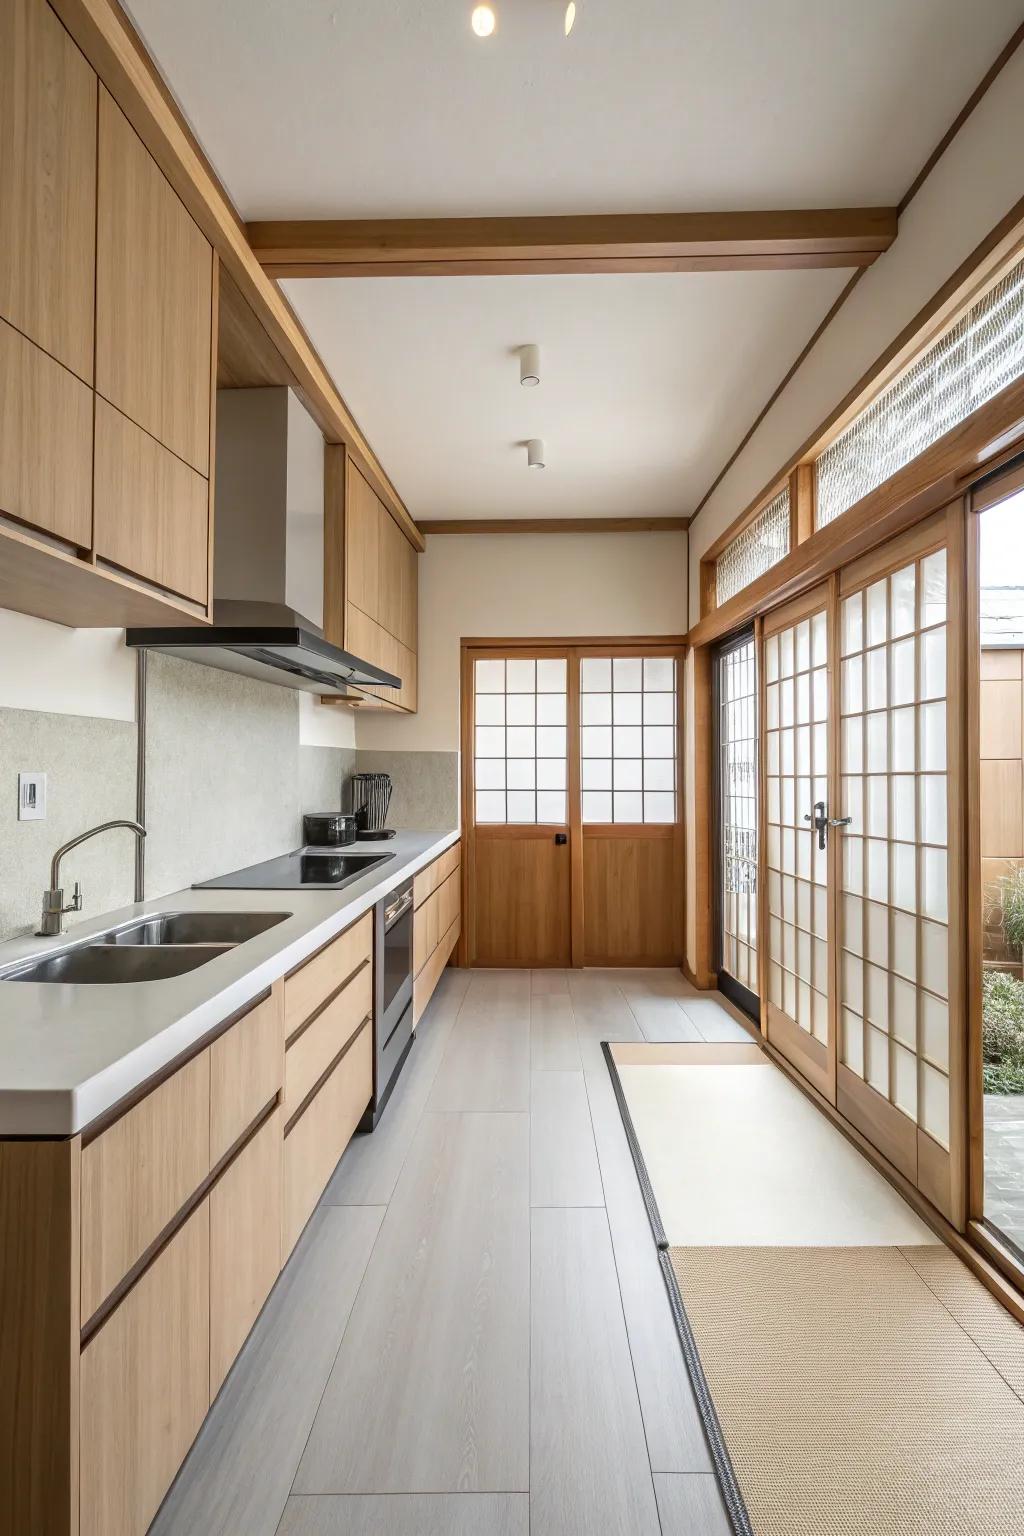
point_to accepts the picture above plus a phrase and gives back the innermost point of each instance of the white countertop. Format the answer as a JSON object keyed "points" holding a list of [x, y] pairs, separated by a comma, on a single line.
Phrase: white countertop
{"points": [[69, 1052]]}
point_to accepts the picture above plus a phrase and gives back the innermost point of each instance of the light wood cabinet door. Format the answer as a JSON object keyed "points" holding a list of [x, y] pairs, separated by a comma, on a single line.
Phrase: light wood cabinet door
{"points": [[316, 1141], [246, 1071], [245, 1244], [312, 1051], [154, 296], [45, 441], [362, 545], [145, 1387], [137, 1175], [308, 988], [151, 510], [390, 574], [47, 185]]}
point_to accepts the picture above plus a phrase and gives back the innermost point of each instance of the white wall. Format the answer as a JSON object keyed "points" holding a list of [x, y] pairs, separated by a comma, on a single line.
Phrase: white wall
{"points": [[972, 187], [65, 671], [91, 672], [527, 585]]}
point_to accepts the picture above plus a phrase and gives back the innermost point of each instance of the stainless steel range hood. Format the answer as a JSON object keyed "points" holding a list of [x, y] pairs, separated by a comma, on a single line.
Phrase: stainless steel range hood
{"points": [[268, 564]]}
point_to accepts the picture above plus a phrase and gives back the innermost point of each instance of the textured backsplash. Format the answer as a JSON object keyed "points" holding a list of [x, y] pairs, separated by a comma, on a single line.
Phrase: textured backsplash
{"points": [[90, 770], [227, 782], [424, 787]]}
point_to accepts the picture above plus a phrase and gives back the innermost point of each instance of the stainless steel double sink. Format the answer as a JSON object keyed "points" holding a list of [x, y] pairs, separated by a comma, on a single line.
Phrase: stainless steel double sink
{"points": [[149, 948]]}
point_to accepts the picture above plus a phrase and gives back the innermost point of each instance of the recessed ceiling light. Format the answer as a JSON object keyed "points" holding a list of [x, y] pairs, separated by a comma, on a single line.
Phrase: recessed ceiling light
{"points": [[570, 16], [535, 453], [483, 20], [529, 365]]}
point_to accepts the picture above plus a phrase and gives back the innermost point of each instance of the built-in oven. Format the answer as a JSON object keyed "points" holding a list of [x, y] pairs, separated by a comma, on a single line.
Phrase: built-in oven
{"points": [[392, 1014]]}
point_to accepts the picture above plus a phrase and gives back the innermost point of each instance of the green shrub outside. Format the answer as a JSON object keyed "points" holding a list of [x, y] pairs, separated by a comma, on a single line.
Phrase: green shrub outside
{"points": [[1003, 1033]]}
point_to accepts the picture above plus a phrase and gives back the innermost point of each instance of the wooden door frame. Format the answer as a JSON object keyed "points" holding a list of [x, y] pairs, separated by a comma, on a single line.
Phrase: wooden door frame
{"points": [[573, 648]]}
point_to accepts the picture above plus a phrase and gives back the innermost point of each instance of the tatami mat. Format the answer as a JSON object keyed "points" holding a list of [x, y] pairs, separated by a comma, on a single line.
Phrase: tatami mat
{"points": [[738, 1156], [852, 1401]]}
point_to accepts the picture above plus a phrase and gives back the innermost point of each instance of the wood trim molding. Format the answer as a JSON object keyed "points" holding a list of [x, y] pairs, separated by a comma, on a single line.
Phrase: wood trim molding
{"points": [[938, 475], [633, 242], [114, 49], [554, 525]]}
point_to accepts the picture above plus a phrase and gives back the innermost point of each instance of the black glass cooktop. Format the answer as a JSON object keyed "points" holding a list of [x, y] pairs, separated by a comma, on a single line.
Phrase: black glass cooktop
{"points": [[315, 869]]}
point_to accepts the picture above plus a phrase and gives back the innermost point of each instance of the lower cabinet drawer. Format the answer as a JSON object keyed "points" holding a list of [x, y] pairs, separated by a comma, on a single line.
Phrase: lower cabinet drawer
{"points": [[245, 1244], [313, 983], [246, 1071], [312, 1051], [145, 1387], [427, 980], [137, 1175], [322, 1132]]}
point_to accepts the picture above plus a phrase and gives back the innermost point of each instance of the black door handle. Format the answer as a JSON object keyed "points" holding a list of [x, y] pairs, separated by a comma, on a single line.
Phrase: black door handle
{"points": [[560, 838], [819, 820]]}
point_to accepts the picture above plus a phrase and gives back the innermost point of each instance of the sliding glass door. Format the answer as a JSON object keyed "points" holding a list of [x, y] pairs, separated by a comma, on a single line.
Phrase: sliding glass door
{"points": [[798, 849], [737, 830], [863, 848]]}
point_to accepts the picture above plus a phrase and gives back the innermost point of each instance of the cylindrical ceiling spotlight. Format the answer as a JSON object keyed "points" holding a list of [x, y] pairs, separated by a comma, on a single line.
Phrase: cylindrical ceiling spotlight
{"points": [[529, 365], [483, 20], [535, 453]]}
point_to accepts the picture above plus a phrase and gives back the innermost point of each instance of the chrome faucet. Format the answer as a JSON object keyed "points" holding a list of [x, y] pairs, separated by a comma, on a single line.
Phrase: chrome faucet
{"points": [[52, 920]]}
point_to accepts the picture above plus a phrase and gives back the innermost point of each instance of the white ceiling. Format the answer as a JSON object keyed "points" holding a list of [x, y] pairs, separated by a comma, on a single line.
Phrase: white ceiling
{"points": [[647, 381], [389, 108], [363, 108]]}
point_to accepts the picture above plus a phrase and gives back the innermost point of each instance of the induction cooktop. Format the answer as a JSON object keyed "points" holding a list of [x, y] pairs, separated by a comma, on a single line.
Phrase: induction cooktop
{"points": [[305, 869]]}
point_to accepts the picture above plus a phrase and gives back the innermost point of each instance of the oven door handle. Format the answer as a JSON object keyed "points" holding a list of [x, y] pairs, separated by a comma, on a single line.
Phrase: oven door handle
{"points": [[394, 914]]}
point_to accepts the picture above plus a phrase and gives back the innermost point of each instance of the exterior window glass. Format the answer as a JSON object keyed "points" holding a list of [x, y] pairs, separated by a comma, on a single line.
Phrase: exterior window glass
{"points": [[737, 746]]}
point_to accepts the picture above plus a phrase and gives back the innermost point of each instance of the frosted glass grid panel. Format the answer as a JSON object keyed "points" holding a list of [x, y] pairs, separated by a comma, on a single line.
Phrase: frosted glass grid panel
{"points": [[975, 359], [760, 546], [894, 960], [796, 738], [628, 739], [520, 740], [737, 749]]}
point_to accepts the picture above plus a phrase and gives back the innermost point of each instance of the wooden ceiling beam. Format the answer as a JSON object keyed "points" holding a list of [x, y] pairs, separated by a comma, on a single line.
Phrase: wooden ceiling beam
{"points": [[630, 242], [554, 525]]}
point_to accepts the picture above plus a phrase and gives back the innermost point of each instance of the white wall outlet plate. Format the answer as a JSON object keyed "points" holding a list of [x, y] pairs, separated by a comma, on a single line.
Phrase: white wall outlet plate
{"points": [[31, 796]]}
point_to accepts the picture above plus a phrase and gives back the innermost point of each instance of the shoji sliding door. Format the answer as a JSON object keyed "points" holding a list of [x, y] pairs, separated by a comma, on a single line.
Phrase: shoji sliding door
{"points": [[899, 973], [863, 852], [796, 746]]}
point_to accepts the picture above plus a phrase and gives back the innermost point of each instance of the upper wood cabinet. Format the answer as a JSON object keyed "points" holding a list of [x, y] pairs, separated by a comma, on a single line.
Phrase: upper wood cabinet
{"points": [[47, 184], [154, 296], [371, 580]]}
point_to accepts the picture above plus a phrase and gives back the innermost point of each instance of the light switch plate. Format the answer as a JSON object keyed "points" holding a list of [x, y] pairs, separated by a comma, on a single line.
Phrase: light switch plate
{"points": [[31, 796]]}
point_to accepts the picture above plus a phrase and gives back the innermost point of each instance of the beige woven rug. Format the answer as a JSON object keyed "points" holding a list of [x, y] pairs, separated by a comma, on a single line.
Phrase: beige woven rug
{"points": [[861, 1391]]}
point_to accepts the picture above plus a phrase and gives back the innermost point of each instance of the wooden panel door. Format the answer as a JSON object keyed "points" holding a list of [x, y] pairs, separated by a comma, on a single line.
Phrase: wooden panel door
{"points": [[518, 833], [799, 1012], [154, 296], [47, 185], [631, 849], [45, 441], [900, 985]]}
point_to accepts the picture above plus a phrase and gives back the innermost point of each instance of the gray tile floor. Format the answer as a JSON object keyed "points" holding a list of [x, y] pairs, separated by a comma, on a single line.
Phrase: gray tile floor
{"points": [[473, 1335], [1004, 1164]]}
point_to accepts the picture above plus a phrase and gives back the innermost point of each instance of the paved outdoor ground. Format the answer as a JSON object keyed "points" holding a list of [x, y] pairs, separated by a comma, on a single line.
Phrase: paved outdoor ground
{"points": [[1004, 1164]]}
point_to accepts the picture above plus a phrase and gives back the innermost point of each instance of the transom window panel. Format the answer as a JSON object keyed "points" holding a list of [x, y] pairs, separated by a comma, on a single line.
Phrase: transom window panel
{"points": [[628, 739], [893, 985], [974, 360], [796, 777], [737, 737], [760, 546], [520, 715]]}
